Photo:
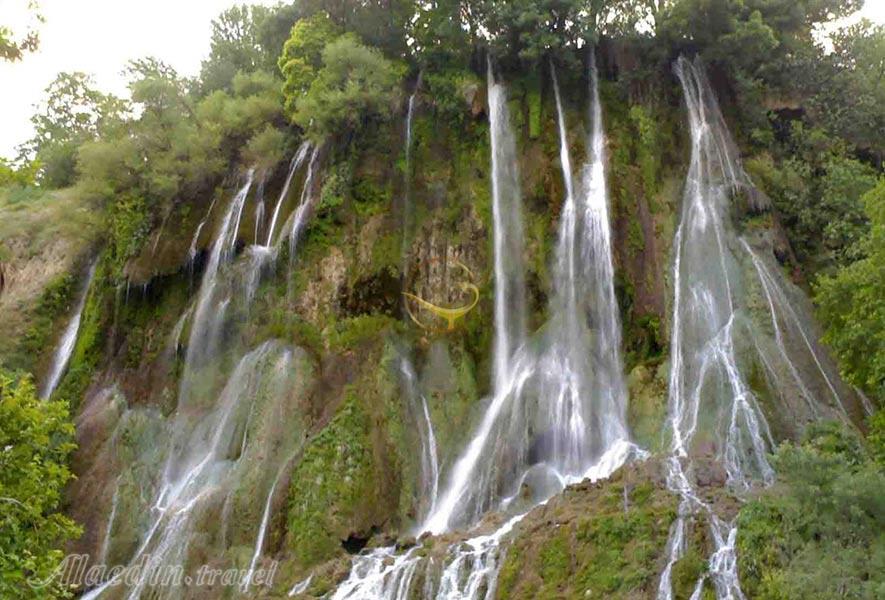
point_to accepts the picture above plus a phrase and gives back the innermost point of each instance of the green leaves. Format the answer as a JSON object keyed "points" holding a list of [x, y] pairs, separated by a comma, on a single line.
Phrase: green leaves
{"points": [[817, 534], [850, 305], [355, 84], [35, 441], [302, 55]]}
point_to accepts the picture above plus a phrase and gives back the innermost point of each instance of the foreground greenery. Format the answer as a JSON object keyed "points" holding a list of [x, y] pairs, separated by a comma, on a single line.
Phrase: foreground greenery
{"points": [[35, 442], [820, 531]]}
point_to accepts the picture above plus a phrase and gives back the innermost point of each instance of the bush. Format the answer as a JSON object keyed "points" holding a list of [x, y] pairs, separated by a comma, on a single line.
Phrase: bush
{"points": [[35, 441], [851, 307], [817, 534]]}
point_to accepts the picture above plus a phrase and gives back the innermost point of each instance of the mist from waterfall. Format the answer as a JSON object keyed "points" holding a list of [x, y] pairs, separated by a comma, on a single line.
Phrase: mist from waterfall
{"points": [[68, 339]]}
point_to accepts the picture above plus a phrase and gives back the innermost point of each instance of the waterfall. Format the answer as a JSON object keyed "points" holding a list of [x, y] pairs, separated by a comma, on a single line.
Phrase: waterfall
{"points": [[294, 165], [429, 456], [259, 209], [795, 329], [210, 453], [109, 528], [583, 367], [717, 340], [469, 493], [704, 364], [209, 311], [68, 339], [596, 254], [579, 427], [262, 529], [299, 216], [192, 250], [509, 243], [408, 209]]}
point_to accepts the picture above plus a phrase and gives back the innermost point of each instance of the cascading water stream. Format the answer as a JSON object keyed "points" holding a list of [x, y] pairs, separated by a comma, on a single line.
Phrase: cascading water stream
{"points": [[704, 321], [509, 314], [429, 456], [192, 250], [381, 574], [299, 217], [508, 237], [109, 528], [294, 165], [265, 520], [584, 372], [204, 461], [549, 389], [715, 342], [408, 209], [208, 318], [779, 304], [68, 339]]}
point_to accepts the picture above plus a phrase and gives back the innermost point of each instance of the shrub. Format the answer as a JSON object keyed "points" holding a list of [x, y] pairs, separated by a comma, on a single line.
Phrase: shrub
{"points": [[35, 441]]}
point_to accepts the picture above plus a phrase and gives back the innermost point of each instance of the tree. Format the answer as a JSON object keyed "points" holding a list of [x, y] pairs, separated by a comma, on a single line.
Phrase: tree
{"points": [[444, 33], [72, 113], [12, 49], [382, 24], [236, 46], [35, 442], [818, 533], [302, 55], [849, 94], [22, 174], [851, 308], [355, 84]]}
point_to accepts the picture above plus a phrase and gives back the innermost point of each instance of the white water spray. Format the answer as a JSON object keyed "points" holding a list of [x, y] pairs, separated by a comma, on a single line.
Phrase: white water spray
{"points": [[294, 165], [68, 339]]}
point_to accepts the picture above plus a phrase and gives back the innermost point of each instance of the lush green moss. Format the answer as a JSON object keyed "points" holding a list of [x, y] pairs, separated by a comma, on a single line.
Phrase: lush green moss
{"points": [[598, 549], [348, 333], [334, 477], [686, 572], [54, 302], [648, 152], [87, 350]]}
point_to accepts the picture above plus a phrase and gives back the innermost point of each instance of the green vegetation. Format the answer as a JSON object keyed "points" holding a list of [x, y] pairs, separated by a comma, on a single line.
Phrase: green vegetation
{"points": [[851, 304], [355, 84], [36, 438], [598, 549], [13, 45], [337, 488], [104, 175], [818, 532]]}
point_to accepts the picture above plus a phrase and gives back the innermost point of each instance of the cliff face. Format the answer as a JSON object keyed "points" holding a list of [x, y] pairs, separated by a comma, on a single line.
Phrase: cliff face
{"points": [[323, 428]]}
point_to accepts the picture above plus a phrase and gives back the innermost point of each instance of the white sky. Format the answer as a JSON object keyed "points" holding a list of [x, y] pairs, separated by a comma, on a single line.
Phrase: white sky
{"points": [[100, 36]]}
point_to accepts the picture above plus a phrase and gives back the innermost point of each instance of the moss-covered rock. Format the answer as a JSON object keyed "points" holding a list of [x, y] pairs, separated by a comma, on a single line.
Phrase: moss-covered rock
{"points": [[595, 540]]}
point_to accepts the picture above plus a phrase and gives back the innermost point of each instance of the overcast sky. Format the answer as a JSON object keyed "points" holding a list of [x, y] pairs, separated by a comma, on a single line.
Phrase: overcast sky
{"points": [[100, 36]]}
